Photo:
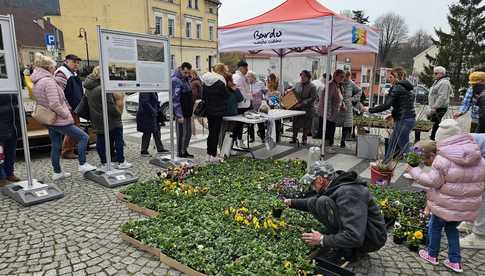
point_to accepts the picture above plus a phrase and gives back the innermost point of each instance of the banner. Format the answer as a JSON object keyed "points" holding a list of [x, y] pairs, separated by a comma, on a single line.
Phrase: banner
{"points": [[280, 35], [8, 79], [134, 62]]}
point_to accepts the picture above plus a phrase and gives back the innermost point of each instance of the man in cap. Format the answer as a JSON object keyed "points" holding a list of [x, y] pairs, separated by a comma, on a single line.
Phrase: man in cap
{"points": [[343, 204], [67, 78], [469, 102]]}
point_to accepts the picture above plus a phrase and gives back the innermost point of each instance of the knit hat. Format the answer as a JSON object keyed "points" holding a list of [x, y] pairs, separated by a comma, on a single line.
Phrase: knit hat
{"points": [[476, 77], [319, 168], [447, 129]]}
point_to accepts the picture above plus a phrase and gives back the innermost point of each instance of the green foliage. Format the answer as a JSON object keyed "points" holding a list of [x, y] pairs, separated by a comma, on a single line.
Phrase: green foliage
{"points": [[462, 48]]}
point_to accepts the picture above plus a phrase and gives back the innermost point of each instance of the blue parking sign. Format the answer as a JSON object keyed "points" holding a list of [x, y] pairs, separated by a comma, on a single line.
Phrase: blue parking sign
{"points": [[50, 40]]}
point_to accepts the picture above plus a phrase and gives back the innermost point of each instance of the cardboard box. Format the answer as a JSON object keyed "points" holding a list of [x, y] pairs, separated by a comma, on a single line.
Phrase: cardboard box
{"points": [[289, 100]]}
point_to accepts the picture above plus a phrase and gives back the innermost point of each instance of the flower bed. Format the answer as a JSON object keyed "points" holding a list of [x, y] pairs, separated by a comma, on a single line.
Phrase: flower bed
{"points": [[379, 122], [226, 225]]}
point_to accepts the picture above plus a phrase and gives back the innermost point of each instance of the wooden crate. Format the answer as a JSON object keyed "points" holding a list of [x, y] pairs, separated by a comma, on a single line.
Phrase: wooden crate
{"points": [[137, 208]]}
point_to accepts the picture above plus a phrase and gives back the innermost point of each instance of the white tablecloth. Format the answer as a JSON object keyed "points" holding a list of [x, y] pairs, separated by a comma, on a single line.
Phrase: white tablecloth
{"points": [[275, 114]]}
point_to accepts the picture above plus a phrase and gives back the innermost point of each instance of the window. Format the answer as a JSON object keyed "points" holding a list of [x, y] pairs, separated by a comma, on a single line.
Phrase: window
{"points": [[197, 62], [31, 57], [171, 27], [190, 3], [199, 31], [211, 33], [188, 29], [172, 62], [211, 10], [158, 24], [196, 4]]}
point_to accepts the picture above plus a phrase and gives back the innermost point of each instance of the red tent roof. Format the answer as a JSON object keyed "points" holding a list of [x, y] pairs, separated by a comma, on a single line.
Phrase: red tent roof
{"points": [[289, 10]]}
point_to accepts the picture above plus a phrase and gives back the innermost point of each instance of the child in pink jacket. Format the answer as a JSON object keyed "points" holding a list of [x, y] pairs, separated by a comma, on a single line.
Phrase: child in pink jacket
{"points": [[456, 182]]}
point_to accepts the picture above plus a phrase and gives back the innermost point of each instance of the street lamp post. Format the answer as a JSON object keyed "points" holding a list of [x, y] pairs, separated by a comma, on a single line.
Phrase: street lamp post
{"points": [[84, 34]]}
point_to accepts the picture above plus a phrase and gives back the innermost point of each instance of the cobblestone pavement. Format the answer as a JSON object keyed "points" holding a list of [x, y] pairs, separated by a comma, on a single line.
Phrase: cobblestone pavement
{"points": [[79, 234]]}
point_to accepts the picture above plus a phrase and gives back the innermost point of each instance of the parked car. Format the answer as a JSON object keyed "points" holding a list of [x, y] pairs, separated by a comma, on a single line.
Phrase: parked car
{"points": [[421, 94], [131, 104]]}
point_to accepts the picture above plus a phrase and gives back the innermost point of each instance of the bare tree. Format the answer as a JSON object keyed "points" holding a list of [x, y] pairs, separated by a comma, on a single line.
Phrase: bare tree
{"points": [[347, 13], [393, 31], [420, 40]]}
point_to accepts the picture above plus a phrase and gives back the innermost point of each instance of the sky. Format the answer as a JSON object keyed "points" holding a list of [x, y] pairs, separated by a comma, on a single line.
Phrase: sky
{"points": [[419, 14]]}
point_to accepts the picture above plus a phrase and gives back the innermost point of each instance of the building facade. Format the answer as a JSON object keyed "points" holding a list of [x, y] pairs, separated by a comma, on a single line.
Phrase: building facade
{"points": [[421, 61], [191, 26]]}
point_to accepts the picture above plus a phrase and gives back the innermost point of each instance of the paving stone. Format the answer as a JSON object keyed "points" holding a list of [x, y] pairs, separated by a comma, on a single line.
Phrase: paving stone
{"points": [[51, 272], [79, 266], [93, 269], [66, 269]]}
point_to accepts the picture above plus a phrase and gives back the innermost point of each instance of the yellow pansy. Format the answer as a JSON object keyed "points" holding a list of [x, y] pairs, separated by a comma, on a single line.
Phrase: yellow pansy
{"points": [[418, 235]]}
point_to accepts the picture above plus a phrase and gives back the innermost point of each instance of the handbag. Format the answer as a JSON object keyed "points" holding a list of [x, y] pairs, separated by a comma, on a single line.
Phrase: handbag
{"points": [[200, 109], [44, 115], [82, 109]]}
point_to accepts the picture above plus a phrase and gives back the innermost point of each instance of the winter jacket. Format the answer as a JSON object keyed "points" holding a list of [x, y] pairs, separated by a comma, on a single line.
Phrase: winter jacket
{"points": [[9, 117], [242, 84], [147, 119], [50, 95], [183, 103], [234, 97], [345, 118], [439, 94], [93, 94], [362, 224], [456, 179], [196, 89], [401, 99], [71, 84], [214, 94], [335, 99]]}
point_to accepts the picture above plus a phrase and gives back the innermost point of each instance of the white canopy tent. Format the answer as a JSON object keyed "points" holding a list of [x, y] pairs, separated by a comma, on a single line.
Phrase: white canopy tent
{"points": [[295, 27]]}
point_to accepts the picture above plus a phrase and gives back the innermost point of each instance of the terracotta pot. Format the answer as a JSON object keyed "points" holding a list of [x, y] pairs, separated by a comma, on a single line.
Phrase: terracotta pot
{"points": [[379, 177]]}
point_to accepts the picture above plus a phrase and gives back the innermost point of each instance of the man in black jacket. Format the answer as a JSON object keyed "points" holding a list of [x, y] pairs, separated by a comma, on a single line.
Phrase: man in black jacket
{"points": [[10, 130], [343, 204]]}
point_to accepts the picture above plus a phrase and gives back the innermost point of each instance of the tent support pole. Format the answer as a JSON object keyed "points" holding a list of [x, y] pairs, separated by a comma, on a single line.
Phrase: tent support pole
{"points": [[325, 103], [281, 71]]}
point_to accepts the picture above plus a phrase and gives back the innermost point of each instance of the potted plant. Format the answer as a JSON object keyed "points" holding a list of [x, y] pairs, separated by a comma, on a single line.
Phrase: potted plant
{"points": [[414, 157], [381, 173], [415, 238], [398, 233], [278, 206]]}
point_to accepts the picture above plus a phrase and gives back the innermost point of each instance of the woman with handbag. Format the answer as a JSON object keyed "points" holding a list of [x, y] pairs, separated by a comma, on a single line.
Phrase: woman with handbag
{"points": [[148, 120], [53, 111]]}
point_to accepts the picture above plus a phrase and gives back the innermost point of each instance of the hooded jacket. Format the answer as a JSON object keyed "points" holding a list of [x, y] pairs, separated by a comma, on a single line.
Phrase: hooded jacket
{"points": [[9, 117], [401, 99], [51, 96], [456, 179], [183, 102], [72, 85], [93, 93], [214, 94], [363, 227]]}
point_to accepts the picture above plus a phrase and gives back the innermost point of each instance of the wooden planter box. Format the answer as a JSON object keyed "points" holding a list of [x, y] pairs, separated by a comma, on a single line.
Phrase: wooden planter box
{"points": [[163, 258], [142, 210]]}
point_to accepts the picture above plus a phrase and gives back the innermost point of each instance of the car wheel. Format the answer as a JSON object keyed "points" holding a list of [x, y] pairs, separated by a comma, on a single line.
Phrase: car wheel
{"points": [[165, 110]]}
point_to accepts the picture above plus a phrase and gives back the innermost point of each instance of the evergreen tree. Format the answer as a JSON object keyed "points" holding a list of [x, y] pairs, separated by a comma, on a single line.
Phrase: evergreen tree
{"points": [[359, 17], [463, 48]]}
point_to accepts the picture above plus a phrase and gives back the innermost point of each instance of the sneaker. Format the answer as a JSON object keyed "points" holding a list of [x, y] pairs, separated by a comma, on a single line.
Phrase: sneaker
{"points": [[123, 166], [456, 267], [86, 168], [103, 168], [214, 159], [425, 256], [145, 154], [163, 151], [473, 241], [188, 155], [60, 176], [408, 176], [465, 227]]}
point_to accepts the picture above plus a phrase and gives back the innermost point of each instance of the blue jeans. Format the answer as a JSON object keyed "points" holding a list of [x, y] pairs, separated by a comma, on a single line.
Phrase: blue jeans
{"points": [[399, 140], [436, 224], [116, 142], [9, 149], [57, 133]]}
